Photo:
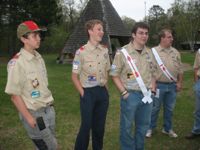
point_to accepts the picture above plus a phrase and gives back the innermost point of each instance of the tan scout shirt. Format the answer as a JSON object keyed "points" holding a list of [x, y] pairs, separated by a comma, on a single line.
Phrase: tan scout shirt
{"points": [[145, 63], [172, 60], [197, 62], [27, 78], [92, 64]]}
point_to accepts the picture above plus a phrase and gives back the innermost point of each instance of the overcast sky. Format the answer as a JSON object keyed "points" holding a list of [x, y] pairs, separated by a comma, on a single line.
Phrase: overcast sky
{"points": [[135, 9]]}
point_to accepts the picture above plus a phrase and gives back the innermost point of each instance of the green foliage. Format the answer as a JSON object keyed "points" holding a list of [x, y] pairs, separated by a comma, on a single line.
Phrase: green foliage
{"points": [[67, 109], [157, 20], [186, 18], [128, 22], [12, 13], [55, 39]]}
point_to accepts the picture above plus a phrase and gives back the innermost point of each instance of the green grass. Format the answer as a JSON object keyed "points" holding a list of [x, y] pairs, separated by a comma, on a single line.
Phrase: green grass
{"points": [[13, 136]]}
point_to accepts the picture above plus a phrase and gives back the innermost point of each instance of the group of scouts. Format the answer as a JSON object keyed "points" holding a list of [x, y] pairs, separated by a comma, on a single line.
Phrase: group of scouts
{"points": [[146, 79]]}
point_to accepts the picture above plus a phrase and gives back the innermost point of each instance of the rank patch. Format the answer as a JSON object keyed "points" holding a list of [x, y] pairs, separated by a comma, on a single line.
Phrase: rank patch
{"points": [[35, 83]]}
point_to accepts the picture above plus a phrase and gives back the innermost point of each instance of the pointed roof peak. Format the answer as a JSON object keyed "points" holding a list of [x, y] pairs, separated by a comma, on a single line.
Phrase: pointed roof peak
{"points": [[104, 11]]}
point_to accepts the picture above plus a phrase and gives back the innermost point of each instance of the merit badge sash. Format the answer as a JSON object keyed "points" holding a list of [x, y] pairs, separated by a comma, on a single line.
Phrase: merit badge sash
{"points": [[162, 66], [145, 92]]}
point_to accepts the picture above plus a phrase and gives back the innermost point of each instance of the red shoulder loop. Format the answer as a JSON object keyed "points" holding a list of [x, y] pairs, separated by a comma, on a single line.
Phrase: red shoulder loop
{"points": [[81, 48], [104, 46], [16, 56]]}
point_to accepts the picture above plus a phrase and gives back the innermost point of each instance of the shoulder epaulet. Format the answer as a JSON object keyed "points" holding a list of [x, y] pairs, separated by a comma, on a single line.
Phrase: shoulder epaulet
{"points": [[118, 51], [81, 48], [104, 45], [14, 59], [148, 48], [16, 56]]}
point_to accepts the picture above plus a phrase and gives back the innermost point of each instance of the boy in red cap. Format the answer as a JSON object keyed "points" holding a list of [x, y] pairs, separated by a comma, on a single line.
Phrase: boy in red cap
{"points": [[27, 84]]}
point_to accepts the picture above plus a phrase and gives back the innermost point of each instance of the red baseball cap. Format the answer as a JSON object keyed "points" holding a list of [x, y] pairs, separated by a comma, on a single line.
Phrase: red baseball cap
{"points": [[28, 27]]}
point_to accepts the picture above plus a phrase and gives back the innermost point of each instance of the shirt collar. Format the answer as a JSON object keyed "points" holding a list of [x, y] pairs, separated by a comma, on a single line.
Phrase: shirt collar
{"points": [[28, 55], [163, 49], [91, 47], [132, 49]]}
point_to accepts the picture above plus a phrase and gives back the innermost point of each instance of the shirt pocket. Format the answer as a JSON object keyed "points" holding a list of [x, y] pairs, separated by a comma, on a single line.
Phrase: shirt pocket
{"points": [[32, 81], [175, 62], [90, 67]]}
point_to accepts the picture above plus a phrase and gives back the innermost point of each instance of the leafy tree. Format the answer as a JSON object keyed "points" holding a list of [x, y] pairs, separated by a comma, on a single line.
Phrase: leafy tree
{"points": [[155, 12], [71, 10], [44, 12], [128, 22], [186, 18], [157, 19]]}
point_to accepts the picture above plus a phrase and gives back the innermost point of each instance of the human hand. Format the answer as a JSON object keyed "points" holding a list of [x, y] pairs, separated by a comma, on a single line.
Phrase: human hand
{"points": [[32, 122], [178, 86], [126, 96]]}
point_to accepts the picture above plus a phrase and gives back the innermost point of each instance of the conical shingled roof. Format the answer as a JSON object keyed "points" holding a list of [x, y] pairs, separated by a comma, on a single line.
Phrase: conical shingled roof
{"points": [[104, 11]]}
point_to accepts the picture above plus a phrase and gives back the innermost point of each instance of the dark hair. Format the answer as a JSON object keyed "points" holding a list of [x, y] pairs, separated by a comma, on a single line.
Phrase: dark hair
{"points": [[26, 35], [161, 34], [91, 23], [137, 25]]}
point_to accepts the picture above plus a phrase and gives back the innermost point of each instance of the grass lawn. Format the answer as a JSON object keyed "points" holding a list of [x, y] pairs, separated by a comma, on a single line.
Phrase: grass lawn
{"points": [[13, 136]]}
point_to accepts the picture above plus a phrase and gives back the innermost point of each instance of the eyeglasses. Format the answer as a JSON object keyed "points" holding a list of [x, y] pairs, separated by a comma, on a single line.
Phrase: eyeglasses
{"points": [[142, 33]]}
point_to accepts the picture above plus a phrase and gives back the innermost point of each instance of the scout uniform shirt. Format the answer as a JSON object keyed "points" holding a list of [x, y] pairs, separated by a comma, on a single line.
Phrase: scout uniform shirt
{"points": [[197, 63], [145, 63], [172, 60], [27, 77], [92, 64]]}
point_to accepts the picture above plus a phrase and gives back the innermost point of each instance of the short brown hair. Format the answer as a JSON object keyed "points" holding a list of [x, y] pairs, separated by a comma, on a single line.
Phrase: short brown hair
{"points": [[91, 23], [161, 34], [137, 25]]}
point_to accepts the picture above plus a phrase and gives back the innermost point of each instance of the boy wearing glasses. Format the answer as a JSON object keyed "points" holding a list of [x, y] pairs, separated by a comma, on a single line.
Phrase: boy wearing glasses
{"points": [[132, 72]]}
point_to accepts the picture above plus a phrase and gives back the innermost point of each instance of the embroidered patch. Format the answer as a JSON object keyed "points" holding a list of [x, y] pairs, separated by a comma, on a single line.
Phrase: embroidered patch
{"points": [[130, 76], [76, 62], [113, 67], [12, 62], [75, 65], [35, 94], [35, 83], [92, 78], [77, 52]]}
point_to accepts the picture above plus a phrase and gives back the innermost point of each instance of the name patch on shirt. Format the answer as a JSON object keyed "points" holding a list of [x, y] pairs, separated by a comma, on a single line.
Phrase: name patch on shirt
{"points": [[92, 78]]}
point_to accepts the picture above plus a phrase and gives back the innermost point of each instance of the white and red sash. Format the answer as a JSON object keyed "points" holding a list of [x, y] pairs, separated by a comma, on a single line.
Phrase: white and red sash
{"points": [[162, 66], [145, 92]]}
